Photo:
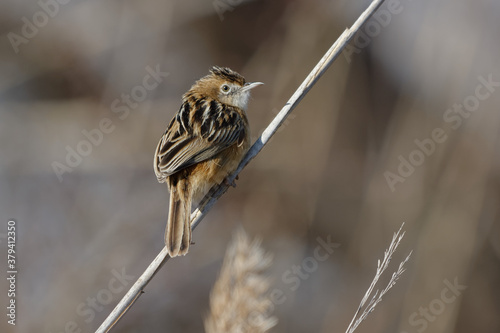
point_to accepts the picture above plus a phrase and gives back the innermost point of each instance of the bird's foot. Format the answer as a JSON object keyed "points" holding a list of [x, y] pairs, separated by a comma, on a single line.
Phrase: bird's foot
{"points": [[228, 183]]}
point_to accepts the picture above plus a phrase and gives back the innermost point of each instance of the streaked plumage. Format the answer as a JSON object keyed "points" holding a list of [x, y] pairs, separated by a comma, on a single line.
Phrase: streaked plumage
{"points": [[203, 144]]}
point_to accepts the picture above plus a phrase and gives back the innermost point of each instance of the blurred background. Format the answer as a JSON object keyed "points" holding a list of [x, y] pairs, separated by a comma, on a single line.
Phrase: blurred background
{"points": [[404, 127]]}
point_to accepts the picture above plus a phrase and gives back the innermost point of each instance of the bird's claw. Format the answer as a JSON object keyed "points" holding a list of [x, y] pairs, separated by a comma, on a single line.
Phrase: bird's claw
{"points": [[228, 183]]}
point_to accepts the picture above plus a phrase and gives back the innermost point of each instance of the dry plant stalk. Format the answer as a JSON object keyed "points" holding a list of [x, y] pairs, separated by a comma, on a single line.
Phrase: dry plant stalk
{"points": [[137, 288], [239, 301], [377, 297]]}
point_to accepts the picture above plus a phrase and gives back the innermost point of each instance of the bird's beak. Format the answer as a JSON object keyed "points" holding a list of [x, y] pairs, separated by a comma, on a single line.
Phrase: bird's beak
{"points": [[250, 85]]}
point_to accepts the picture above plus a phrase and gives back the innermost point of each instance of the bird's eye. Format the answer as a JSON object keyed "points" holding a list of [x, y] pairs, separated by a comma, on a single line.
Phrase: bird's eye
{"points": [[225, 88]]}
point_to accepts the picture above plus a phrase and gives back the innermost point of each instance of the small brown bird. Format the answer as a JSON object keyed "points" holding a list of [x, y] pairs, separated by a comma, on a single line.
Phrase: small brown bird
{"points": [[203, 144]]}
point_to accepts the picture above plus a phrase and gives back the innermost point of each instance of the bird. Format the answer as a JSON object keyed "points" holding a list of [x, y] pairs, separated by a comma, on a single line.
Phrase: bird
{"points": [[202, 145]]}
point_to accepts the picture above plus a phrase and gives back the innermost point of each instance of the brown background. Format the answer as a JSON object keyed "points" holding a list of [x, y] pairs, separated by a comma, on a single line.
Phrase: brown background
{"points": [[322, 175]]}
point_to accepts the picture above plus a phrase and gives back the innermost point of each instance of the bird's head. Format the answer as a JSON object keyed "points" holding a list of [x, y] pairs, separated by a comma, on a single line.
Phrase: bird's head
{"points": [[225, 86]]}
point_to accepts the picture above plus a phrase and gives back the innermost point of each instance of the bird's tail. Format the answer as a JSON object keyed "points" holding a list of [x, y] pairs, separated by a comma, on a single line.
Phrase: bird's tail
{"points": [[178, 232]]}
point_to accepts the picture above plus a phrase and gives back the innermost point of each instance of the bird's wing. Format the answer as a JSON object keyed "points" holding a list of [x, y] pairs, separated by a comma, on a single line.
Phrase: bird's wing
{"points": [[195, 136]]}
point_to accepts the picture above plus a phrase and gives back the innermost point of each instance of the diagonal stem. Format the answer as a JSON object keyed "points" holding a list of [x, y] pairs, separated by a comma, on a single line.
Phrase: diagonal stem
{"points": [[135, 291]]}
